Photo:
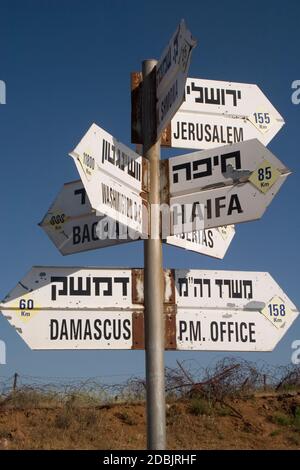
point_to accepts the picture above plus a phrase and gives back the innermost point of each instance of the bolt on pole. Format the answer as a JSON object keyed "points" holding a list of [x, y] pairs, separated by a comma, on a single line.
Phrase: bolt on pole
{"points": [[154, 317]]}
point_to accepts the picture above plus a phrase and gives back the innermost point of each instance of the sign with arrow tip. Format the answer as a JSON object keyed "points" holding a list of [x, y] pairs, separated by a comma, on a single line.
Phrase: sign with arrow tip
{"points": [[171, 74], [114, 178], [227, 185], [73, 226], [103, 308], [230, 311], [73, 308], [216, 113], [212, 242]]}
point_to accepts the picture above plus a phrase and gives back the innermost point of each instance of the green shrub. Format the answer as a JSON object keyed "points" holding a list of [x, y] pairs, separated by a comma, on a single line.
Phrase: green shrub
{"points": [[200, 406], [224, 411], [275, 433], [282, 419], [297, 418]]}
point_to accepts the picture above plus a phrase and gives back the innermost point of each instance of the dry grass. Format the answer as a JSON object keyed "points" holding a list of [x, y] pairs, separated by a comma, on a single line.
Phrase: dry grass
{"points": [[270, 422], [233, 406]]}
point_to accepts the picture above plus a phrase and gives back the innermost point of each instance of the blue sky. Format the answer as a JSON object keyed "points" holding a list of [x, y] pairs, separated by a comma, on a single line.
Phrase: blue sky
{"points": [[66, 64]]}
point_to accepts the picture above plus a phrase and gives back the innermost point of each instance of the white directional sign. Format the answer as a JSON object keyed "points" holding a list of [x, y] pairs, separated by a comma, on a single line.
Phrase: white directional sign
{"points": [[73, 308], [73, 226], [171, 74], [97, 308], [218, 113], [223, 186], [230, 311], [213, 242], [112, 175]]}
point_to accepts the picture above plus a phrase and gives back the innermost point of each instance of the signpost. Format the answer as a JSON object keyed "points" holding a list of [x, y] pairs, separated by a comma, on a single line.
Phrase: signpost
{"points": [[73, 226], [217, 113], [114, 177], [228, 185], [98, 308], [153, 281], [171, 75]]}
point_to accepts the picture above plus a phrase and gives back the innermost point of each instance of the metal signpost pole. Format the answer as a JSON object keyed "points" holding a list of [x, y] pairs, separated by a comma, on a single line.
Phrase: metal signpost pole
{"points": [[154, 321]]}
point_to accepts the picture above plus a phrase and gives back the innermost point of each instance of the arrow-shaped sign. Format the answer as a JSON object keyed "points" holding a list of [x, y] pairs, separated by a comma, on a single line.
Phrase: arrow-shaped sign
{"points": [[230, 311], [70, 308], [212, 242], [97, 308], [218, 113], [171, 74], [114, 177], [80, 307], [227, 185], [73, 227]]}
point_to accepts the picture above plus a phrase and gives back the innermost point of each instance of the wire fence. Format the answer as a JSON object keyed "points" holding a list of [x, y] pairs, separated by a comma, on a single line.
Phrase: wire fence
{"points": [[229, 377]]}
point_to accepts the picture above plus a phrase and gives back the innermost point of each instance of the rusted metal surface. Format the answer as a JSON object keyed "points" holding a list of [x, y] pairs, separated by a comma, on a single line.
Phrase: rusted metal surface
{"points": [[145, 171], [164, 182], [146, 226], [166, 137], [170, 327], [169, 286], [136, 107], [138, 335], [138, 331], [165, 220], [138, 286], [136, 113]]}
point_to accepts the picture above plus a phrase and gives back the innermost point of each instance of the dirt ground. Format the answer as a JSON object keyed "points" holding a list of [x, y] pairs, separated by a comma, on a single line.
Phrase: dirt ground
{"points": [[268, 421]]}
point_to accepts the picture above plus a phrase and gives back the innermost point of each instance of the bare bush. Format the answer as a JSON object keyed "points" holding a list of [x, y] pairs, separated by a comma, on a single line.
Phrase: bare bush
{"points": [[228, 378]]}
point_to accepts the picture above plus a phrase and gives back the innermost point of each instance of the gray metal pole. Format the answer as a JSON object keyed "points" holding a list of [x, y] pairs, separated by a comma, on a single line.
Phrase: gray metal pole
{"points": [[154, 317]]}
